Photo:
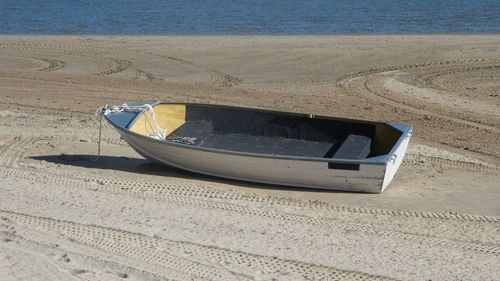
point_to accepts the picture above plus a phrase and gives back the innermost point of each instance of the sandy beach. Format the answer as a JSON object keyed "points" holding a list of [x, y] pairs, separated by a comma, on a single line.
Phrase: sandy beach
{"points": [[64, 216]]}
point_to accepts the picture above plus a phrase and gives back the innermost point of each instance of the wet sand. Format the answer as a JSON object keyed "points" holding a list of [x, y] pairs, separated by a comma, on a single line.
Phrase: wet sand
{"points": [[64, 216]]}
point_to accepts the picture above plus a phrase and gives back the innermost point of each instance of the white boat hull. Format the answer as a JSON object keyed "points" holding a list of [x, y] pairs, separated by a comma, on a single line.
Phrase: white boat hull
{"points": [[372, 178], [265, 146]]}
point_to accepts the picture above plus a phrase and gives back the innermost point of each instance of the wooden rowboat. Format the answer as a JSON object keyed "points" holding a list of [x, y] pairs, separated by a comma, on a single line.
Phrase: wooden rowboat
{"points": [[267, 146]]}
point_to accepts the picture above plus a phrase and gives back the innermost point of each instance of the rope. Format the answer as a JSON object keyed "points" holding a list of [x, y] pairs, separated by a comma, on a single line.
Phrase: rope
{"points": [[158, 133], [99, 141]]}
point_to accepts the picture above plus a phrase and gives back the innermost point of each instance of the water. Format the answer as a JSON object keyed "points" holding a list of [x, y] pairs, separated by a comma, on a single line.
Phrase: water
{"points": [[248, 16]]}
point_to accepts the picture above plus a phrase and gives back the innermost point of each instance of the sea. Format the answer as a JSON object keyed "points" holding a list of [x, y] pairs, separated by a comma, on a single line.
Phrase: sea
{"points": [[113, 17]]}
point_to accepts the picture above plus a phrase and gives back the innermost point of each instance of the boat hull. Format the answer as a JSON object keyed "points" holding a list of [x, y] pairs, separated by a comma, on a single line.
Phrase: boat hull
{"points": [[272, 147], [280, 171]]}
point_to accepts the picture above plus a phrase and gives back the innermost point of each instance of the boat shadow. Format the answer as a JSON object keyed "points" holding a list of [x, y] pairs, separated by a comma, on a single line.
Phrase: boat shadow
{"points": [[146, 167]]}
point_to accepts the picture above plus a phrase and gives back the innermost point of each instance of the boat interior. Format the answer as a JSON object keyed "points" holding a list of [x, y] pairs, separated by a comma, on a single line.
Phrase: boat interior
{"points": [[259, 131]]}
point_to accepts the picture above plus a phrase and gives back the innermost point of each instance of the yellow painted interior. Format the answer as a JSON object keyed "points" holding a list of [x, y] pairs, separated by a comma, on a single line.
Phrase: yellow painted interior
{"points": [[168, 116]]}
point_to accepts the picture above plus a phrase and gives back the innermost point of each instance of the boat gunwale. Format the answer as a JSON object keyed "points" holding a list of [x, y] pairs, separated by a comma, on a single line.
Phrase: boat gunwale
{"points": [[382, 159]]}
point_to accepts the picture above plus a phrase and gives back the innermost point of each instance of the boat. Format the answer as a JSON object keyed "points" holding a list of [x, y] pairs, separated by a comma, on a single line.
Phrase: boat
{"points": [[263, 145]]}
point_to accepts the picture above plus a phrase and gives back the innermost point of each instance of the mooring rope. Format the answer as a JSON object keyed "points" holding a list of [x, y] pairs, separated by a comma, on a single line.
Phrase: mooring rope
{"points": [[158, 133]]}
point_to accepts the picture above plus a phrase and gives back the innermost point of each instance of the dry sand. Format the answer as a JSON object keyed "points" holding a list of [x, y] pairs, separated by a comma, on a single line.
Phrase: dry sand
{"points": [[65, 217]]}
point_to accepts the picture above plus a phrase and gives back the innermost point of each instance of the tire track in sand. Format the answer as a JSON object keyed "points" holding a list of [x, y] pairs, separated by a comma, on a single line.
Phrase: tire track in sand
{"points": [[222, 263], [115, 65], [14, 150], [69, 254], [463, 166], [111, 65], [410, 159], [121, 65], [211, 199], [46, 64], [52, 64], [433, 115], [359, 85], [216, 77], [161, 190]]}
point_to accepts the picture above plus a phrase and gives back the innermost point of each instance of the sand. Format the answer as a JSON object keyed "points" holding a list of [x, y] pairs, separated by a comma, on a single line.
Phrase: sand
{"points": [[66, 217]]}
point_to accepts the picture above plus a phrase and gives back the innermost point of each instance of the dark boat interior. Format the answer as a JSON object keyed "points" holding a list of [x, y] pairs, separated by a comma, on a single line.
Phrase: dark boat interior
{"points": [[277, 133]]}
